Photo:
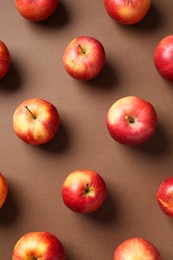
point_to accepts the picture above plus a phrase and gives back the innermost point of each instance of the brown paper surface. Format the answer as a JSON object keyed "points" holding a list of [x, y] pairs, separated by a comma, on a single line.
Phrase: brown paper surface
{"points": [[132, 174]]}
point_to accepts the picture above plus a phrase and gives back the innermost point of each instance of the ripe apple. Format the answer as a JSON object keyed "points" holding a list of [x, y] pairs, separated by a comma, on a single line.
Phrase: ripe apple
{"points": [[36, 10], [136, 248], [38, 245], [36, 121], [165, 196], [84, 58], [131, 120], [3, 189], [163, 57], [127, 11], [84, 191], [5, 60]]}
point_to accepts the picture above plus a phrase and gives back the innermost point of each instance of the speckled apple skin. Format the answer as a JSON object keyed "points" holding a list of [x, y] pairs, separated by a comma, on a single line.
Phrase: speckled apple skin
{"points": [[127, 11], [38, 245], [136, 248], [165, 196], [87, 65], [36, 10], [3, 190], [73, 191], [5, 60], [145, 120], [163, 57], [39, 130]]}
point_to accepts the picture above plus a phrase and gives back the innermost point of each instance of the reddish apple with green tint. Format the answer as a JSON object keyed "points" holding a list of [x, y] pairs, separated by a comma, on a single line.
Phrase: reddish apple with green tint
{"points": [[165, 196], [127, 11], [84, 58], [36, 121], [131, 120], [36, 10], [163, 57], [84, 191], [136, 249], [5, 60], [3, 189], [38, 246]]}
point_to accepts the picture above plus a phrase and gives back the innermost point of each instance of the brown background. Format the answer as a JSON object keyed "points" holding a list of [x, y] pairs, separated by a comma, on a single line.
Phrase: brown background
{"points": [[132, 174]]}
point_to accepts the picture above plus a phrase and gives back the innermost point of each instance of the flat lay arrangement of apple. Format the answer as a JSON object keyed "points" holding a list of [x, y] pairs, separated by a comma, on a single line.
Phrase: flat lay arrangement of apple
{"points": [[72, 94]]}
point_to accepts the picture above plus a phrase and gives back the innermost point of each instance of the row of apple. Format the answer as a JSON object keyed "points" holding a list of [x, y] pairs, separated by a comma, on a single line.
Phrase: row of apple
{"points": [[84, 191], [130, 120], [124, 11]]}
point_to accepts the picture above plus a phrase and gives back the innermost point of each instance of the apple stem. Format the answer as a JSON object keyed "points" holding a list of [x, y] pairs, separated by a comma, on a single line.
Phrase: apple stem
{"points": [[87, 188], [130, 119], [81, 49], [128, 2], [30, 112]]}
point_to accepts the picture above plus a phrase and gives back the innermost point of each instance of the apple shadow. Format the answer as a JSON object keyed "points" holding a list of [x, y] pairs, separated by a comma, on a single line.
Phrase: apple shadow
{"points": [[151, 21], [157, 145], [107, 213], [105, 79], [60, 142], [12, 81], [10, 209], [69, 252], [58, 19]]}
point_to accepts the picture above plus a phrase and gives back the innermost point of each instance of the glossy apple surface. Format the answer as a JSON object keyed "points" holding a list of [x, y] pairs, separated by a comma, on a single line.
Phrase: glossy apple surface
{"points": [[163, 57], [127, 11], [84, 58], [165, 196], [136, 248], [84, 191], [38, 246], [36, 121], [5, 60], [36, 10], [131, 120], [3, 189]]}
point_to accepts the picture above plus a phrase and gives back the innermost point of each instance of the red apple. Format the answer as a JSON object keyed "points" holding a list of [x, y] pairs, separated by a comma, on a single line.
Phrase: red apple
{"points": [[36, 121], [84, 191], [38, 245], [131, 120], [165, 196], [36, 10], [84, 58], [5, 60], [127, 11], [163, 57], [3, 189], [136, 248]]}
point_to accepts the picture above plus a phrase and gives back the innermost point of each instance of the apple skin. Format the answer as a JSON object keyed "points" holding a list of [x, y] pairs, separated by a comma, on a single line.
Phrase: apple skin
{"points": [[84, 58], [38, 245], [84, 191], [127, 11], [136, 248], [163, 57], [3, 189], [36, 10], [39, 124], [5, 60], [131, 120], [165, 196]]}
